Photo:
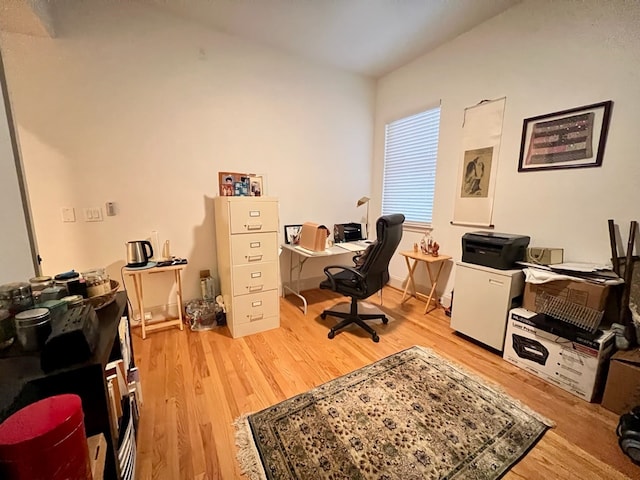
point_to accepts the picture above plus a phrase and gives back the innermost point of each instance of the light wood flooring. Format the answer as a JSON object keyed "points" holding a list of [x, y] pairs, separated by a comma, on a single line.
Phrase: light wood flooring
{"points": [[196, 383]]}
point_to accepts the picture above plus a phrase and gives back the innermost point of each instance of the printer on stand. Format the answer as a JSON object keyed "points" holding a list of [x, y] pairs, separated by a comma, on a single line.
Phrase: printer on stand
{"points": [[495, 250]]}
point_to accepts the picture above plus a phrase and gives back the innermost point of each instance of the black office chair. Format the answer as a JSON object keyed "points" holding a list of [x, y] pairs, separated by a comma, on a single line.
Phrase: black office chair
{"points": [[367, 277]]}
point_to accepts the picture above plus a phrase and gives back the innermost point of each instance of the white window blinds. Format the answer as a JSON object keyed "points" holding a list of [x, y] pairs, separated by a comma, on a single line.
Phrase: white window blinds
{"points": [[410, 153]]}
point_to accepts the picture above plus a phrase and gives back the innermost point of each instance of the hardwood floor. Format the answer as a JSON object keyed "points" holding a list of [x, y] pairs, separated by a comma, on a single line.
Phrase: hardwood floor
{"points": [[196, 383]]}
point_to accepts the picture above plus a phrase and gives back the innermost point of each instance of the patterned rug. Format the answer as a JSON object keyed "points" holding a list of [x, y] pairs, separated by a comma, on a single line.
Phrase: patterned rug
{"points": [[412, 415]]}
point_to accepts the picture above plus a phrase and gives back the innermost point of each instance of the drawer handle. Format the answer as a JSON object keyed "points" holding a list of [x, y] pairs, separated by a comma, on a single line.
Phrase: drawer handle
{"points": [[495, 282], [255, 317], [255, 288], [253, 258], [254, 226]]}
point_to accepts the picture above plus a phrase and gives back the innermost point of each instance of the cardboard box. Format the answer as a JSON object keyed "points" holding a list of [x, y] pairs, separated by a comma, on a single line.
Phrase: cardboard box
{"points": [[314, 236], [576, 366], [622, 392], [587, 294]]}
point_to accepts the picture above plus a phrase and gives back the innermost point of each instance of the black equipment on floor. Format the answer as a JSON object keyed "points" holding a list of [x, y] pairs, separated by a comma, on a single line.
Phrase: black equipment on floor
{"points": [[368, 276], [628, 432]]}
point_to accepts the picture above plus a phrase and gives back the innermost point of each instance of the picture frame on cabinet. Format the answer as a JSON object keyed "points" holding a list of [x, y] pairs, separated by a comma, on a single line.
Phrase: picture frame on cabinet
{"points": [[573, 138]]}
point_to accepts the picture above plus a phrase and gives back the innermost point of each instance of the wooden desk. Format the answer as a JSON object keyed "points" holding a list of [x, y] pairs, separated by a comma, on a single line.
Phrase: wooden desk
{"points": [[428, 260], [137, 283]]}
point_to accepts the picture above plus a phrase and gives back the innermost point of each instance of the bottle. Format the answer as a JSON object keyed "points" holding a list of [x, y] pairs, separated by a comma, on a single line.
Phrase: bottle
{"points": [[207, 285]]}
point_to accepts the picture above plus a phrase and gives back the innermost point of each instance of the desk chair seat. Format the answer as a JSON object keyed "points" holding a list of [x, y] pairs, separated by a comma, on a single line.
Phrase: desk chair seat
{"points": [[367, 277]]}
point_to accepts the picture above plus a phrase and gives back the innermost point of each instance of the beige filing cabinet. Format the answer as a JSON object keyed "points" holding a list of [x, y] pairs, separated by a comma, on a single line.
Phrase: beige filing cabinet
{"points": [[247, 242], [482, 298]]}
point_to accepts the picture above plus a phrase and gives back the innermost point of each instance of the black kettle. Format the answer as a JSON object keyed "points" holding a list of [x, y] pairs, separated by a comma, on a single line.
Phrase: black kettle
{"points": [[137, 253]]}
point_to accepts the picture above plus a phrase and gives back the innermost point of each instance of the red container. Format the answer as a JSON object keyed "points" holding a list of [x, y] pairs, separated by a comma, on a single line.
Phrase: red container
{"points": [[45, 440]]}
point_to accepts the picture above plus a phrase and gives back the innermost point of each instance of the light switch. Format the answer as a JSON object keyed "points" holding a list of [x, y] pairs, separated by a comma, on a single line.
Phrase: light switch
{"points": [[93, 214], [68, 214]]}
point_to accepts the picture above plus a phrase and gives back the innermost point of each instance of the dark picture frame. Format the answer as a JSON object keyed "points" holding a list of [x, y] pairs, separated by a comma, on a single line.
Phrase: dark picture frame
{"points": [[573, 138], [292, 234]]}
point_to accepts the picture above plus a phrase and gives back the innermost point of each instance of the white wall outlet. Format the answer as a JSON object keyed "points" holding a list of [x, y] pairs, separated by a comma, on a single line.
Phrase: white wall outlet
{"points": [[68, 214], [93, 214], [110, 208]]}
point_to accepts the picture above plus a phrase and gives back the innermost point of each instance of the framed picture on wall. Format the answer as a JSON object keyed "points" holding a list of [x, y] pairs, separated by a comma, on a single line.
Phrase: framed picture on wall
{"points": [[573, 138]]}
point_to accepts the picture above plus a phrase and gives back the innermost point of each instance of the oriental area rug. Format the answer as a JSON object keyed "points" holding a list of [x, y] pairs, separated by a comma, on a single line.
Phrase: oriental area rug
{"points": [[412, 415]]}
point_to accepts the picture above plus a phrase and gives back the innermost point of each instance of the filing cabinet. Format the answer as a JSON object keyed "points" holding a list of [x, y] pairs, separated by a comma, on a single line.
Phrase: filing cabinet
{"points": [[247, 248]]}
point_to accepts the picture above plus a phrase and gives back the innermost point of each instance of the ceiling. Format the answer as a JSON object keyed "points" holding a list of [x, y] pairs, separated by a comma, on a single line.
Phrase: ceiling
{"points": [[369, 37]]}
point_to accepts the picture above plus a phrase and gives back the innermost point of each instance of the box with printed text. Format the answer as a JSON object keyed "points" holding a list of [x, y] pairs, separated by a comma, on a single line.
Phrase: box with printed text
{"points": [[576, 366]]}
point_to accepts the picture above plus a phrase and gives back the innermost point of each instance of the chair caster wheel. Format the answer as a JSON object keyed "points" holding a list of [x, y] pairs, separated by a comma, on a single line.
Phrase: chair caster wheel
{"points": [[323, 315], [331, 334], [385, 320], [375, 338]]}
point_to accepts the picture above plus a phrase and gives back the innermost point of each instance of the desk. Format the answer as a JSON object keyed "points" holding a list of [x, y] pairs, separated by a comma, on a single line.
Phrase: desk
{"points": [[428, 260], [137, 283], [303, 256]]}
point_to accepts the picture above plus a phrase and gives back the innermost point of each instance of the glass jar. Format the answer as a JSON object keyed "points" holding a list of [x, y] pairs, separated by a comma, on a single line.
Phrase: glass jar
{"points": [[40, 283], [7, 329], [97, 281], [16, 297]]}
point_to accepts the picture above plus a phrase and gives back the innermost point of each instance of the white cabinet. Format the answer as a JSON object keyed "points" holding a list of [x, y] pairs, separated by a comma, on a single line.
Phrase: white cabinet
{"points": [[247, 244], [482, 298]]}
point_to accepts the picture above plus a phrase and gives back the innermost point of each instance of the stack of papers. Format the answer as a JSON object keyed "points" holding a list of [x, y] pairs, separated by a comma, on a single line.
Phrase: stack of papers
{"points": [[352, 247]]}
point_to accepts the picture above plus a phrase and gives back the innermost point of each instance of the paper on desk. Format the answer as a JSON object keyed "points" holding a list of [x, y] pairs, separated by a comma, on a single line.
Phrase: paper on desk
{"points": [[312, 252]]}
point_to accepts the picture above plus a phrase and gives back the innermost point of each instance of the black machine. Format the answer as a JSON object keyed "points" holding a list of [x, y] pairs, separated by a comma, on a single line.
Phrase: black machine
{"points": [[628, 432], [73, 339], [347, 232], [530, 349], [495, 250]]}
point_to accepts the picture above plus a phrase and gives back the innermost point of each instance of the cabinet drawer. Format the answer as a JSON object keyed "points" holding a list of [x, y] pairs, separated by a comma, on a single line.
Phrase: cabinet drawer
{"points": [[255, 307], [255, 278], [254, 248], [247, 217]]}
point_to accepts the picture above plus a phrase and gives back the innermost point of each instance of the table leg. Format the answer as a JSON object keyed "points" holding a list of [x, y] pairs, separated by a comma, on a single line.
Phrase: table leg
{"points": [[434, 282], [179, 297], [296, 292], [411, 269], [137, 283]]}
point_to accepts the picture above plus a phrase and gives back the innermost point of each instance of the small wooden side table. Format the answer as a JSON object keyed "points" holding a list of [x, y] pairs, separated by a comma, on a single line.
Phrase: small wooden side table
{"points": [[428, 260], [137, 283]]}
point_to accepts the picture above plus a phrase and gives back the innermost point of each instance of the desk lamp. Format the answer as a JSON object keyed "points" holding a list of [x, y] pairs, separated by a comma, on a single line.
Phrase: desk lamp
{"points": [[363, 201]]}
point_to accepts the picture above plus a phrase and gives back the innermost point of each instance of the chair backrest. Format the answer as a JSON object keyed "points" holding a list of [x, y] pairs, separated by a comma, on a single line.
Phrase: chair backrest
{"points": [[376, 265]]}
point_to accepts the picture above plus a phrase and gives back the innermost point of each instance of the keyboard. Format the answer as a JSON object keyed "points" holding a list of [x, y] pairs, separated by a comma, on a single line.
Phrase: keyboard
{"points": [[352, 246]]}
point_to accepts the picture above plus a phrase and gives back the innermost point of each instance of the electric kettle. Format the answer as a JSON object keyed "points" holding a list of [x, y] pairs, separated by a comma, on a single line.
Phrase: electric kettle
{"points": [[137, 253]]}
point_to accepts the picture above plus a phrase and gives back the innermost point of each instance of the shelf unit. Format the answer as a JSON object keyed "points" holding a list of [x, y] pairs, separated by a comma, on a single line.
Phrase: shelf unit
{"points": [[22, 381]]}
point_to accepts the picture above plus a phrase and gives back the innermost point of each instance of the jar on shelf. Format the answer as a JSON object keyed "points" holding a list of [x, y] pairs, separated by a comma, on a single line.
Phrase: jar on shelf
{"points": [[97, 281], [16, 297], [7, 329]]}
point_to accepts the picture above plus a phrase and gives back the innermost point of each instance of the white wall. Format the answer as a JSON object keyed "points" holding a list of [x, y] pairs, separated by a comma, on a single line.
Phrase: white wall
{"points": [[545, 56], [15, 251], [134, 106]]}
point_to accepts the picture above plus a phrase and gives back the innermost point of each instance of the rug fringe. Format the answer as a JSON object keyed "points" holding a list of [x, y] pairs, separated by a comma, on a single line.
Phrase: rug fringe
{"points": [[499, 390], [247, 454]]}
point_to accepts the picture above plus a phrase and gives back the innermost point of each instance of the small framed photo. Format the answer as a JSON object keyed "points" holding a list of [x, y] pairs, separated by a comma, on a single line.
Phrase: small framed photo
{"points": [[573, 138], [233, 184], [292, 234], [255, 186]]}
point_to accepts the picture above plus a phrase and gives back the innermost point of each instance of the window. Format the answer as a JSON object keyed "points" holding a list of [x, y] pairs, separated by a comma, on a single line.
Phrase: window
{"points": [[410, 153]]}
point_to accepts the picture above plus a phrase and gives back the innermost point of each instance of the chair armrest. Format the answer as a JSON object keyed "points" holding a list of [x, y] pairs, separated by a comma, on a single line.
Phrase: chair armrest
{"points": [[342, 268]]}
